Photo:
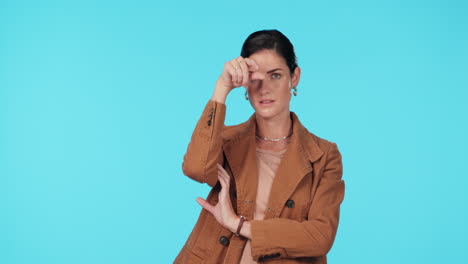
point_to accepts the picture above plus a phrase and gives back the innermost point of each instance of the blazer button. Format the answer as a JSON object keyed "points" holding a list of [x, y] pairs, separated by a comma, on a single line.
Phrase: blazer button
{"points": [[209, 122], [224, 241], [290, 203]]}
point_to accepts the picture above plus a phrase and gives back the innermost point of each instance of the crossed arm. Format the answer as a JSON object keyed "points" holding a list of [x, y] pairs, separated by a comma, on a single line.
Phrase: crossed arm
{"points": [[313, 237]]}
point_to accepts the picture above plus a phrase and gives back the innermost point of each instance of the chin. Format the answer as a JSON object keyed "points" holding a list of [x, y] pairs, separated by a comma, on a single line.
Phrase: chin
{"points": [[271, 111], [266, 114]]}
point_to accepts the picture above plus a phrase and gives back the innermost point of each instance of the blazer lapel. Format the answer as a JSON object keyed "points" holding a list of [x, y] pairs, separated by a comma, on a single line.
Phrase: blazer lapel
{"points": [[296, 163], [241, 156]]}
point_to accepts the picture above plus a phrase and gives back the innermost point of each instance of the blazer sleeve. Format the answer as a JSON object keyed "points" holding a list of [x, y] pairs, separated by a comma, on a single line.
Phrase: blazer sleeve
{"points": [[286, 238], [205, 148]]}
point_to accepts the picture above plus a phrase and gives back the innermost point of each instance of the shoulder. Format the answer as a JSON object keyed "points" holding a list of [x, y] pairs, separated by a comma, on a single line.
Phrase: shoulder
{"points": [[236, 131], [318, 148], [310, 137], [324, 144], [326, 155]]}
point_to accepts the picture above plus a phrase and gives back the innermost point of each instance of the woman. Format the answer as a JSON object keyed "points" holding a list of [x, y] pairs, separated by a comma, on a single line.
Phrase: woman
{"points": [[277, 188]]}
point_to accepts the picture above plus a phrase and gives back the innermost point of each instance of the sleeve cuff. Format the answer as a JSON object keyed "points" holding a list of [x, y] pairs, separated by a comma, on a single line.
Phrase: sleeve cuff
{"points": [[261, 247]]}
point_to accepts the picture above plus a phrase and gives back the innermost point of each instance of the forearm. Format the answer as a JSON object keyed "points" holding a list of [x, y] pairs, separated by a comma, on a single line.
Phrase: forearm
{"points": [[291, 239], [220, 93], [205, 148], [245, 230], [287, 238]]}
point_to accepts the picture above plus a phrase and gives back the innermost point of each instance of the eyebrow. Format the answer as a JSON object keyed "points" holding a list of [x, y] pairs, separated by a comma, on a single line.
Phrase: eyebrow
{"points": [[270, 71], [276, 69]]}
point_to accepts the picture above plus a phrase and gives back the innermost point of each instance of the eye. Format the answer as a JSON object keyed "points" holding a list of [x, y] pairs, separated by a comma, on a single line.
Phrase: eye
{"points": [[276, 76]]}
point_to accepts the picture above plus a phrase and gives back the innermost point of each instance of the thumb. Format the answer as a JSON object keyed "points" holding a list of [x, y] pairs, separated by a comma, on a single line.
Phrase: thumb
{"points": [[207, 206]]}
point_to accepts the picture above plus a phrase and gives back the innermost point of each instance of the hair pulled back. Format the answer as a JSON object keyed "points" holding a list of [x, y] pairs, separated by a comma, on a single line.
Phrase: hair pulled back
{"points": [[271, 40]]}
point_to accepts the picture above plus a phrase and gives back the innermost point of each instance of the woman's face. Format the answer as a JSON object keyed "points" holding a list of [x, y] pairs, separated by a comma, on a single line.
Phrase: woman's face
{"points": [[270, 87]]}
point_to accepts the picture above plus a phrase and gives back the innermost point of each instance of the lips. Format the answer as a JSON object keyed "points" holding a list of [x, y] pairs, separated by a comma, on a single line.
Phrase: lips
{"points": [[266, 102]]}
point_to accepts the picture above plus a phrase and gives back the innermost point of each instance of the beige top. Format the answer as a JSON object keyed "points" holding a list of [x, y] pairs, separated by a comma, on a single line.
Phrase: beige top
{"points": [[267, 164]]}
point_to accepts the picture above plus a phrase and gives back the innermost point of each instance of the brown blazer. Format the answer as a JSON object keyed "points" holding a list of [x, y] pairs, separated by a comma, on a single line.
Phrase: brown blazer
{"points": [[301, 219]]}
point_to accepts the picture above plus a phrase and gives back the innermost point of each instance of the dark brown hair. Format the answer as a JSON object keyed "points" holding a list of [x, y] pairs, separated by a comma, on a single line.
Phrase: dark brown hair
{"points": [[272, 40]]}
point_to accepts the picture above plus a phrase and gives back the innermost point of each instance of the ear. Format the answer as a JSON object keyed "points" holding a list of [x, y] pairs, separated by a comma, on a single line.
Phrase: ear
{"points": [[296, 76]]}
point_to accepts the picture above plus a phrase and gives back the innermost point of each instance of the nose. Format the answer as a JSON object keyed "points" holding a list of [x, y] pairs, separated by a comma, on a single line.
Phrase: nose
{"points": [[263, 88], [259, 84]]}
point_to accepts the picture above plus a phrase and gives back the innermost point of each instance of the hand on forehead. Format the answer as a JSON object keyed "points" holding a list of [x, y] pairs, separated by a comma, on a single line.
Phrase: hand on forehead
{"points": [[254, 69], [267, 61]]}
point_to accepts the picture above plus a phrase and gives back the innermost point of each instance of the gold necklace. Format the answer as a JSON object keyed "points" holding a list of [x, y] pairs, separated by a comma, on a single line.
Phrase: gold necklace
{"points": [[272, 139]]}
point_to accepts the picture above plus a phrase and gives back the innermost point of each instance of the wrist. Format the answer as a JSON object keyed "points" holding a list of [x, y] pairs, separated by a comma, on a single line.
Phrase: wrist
{"points": [[242, 219], [220, 93], [234, 223]]}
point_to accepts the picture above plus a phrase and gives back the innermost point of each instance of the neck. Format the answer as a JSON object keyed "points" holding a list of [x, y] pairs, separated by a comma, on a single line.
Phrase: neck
{"points": [[274, 128]]}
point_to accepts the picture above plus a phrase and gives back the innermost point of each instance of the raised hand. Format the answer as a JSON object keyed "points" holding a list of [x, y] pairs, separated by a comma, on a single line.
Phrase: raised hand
{"points": [[222, 211], [236, 73]]}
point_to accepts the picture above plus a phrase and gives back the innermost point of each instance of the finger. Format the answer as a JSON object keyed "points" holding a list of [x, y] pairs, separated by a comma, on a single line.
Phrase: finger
{"points": [[242, 67], [245, 72], [235, 72], [224, 188], [219, 166], [224, 176], [222, 180], [239, 72], [253, 66], [223, 171], [207, 206], [232, 74]]}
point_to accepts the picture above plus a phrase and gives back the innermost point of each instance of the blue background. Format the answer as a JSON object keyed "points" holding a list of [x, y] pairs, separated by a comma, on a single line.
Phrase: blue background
{"points": [[98, 100]]}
